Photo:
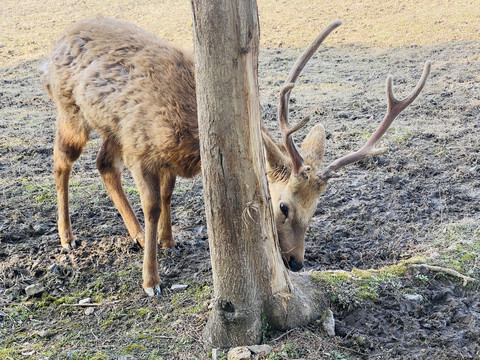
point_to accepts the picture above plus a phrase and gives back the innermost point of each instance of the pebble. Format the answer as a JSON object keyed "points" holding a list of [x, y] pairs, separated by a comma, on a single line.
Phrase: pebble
{"points": [[127, 357], [413, 297], [328, 322], [239, 353], [42, 333], [85, 301], [452, 248], [34, 289], [54, 268], [40, 229], [201, 232], [89, 311], [260, 349], [178, 287]]}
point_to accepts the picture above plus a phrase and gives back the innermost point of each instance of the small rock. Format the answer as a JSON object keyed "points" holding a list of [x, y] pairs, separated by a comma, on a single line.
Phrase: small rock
{"points": [[127, 357], [260, 349], [54, 268], [392, 179], [89, 311], [178, 287], [328, 322], [42, 333], [85, 301], [35, 289], [452, 248], [413, 297], [201, 232], [40, 229], [239, 353]]}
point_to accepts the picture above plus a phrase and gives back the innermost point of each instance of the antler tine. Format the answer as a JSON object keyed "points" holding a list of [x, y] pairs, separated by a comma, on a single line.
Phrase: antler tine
{"points": [[285, 128], [394, 108]]}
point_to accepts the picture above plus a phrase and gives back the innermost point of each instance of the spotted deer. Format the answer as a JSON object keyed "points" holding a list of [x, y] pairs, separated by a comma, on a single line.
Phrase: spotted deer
{"points": [[138, 92]]}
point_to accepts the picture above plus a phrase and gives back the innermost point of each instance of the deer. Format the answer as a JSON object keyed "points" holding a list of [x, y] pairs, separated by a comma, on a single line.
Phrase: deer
{"points": [[139, 93]]}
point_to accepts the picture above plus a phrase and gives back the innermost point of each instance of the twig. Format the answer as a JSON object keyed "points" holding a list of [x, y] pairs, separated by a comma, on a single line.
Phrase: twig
{"points": [[164, 337], [283, 335], [445, 270], [89, 305]]}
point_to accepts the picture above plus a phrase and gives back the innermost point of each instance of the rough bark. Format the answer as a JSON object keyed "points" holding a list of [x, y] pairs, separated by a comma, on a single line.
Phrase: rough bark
{"points": [[251, 283]]}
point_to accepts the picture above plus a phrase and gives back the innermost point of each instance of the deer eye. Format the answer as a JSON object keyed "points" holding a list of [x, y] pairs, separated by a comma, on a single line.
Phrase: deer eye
{"points": [[284, 209]]}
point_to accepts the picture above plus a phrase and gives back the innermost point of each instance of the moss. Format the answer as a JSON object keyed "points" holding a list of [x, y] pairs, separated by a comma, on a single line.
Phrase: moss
{"points": [[141, 312], [357, 285], [330, 278], [132, 348], [9, 352], [192, 300]]}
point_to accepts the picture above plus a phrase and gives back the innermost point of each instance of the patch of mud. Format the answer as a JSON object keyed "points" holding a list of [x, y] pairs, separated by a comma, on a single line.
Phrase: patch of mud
{"points": [[379, 212]]}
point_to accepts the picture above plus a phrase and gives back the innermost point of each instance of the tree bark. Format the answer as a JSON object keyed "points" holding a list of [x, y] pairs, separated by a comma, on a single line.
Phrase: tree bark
{"points": [[251, 283]]}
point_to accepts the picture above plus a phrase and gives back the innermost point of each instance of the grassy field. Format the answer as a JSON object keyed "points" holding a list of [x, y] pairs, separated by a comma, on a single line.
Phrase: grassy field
{"points": [[28, 28]]}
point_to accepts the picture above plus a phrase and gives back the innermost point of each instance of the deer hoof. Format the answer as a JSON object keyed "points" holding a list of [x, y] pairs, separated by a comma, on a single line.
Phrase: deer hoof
{"points": [[153, 291], [70, 245], [166, 243], [140, 240]]}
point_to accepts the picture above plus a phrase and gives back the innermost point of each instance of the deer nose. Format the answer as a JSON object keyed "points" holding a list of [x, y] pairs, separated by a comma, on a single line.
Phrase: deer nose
{"points": [[294, 266]]}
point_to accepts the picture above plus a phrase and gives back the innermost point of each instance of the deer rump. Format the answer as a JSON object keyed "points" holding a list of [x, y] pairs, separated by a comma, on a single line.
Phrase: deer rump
{"points": [[138, 92]]}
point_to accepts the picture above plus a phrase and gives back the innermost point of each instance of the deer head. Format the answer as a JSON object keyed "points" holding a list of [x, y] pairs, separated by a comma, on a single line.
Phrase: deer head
{"points": [[296, 177]]}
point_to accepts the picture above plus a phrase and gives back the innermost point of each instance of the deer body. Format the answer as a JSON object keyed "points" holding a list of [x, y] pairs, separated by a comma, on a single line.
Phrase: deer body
{"points": [[138, 93]]}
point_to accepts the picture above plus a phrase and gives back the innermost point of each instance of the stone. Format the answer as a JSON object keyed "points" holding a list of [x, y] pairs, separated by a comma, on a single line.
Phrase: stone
{"points": [[127, 357], [201, 232], [85, 301], [260, 349], [239, 353], [40, 229], [34, 289], [54, 268], [178, 287], [413, 297], [89, 311], [42, 333], [328, 322]]}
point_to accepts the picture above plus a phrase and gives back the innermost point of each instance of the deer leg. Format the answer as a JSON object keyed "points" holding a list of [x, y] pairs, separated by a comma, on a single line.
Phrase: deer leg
{"points": [[148, 185], [110, 166], [167, 184], [69, 144]]}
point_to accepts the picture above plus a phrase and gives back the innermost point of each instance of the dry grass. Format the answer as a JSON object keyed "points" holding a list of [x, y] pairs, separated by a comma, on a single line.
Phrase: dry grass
{"points": [[27, 28]]}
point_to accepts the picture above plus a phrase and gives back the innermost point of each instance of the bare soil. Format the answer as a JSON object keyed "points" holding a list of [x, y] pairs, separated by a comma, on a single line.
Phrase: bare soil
{"points": [[420, 200]]}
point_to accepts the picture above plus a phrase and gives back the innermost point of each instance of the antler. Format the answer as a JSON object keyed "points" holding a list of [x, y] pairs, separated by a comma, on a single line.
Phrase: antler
{"points": [[285, 128], [394, 108]]}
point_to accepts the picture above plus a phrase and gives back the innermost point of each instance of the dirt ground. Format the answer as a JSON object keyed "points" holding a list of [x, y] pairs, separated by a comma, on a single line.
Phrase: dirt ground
{"points": [[418, 203]]}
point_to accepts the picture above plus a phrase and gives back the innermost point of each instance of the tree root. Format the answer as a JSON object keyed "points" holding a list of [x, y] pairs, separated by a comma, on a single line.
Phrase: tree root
{"points": [[454, 273]]}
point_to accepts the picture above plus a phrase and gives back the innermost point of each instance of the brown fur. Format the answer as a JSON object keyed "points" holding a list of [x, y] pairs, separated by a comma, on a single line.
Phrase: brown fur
{"points": [[138, 92]]}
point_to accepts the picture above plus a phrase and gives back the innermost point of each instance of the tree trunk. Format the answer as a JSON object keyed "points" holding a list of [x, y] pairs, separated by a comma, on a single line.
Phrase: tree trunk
{"points": [[251, 283]]}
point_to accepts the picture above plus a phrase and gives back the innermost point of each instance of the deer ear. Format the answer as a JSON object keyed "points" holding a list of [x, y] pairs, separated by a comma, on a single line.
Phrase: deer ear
{"points": [[279, 165], [313, 147]]}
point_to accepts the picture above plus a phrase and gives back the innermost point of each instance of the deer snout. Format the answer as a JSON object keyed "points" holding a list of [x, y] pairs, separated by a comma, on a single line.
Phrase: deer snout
{"points": [[294, 265]]}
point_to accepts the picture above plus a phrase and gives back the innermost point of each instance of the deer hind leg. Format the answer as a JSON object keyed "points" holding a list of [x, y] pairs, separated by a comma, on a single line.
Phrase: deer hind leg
{"points": [[167, 184], [148, 185], [69, 143], [110, 166]]}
